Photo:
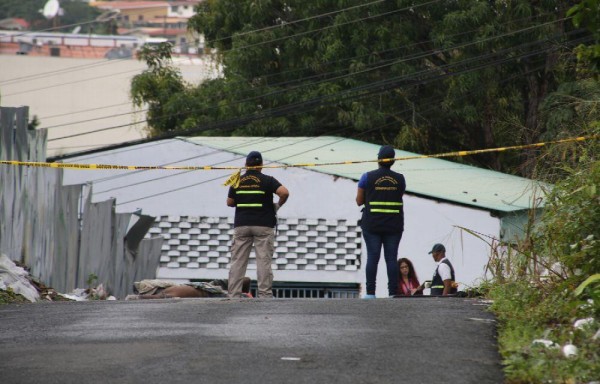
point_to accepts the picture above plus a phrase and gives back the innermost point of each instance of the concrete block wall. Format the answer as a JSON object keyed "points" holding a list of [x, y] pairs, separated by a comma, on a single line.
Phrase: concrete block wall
{"points": [[301, 244]]}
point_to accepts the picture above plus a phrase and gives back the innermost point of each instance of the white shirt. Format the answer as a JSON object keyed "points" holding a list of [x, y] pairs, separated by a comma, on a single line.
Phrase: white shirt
{"points": [[444, 270]]}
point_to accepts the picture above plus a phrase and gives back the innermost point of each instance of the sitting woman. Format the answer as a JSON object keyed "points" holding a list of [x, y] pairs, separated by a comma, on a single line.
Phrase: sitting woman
{"points": [[408, 283]]}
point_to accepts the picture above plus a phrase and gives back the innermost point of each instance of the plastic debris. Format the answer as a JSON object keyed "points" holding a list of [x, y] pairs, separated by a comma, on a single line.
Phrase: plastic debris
{"points": [[583, 323], [569, 350], [16, 278], [545, 342]]}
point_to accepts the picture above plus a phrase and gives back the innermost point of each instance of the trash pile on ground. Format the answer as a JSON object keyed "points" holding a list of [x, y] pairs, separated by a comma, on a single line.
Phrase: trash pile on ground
{"points": [[18, 286], [15, 280]]}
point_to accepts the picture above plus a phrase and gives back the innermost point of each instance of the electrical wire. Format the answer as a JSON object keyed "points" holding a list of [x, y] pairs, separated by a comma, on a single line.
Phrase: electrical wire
{"points": [[285, 37], [288, 23], [86, 66], [356, 73], [294, 108], [143, 110], [358, 134], [333, 26]]}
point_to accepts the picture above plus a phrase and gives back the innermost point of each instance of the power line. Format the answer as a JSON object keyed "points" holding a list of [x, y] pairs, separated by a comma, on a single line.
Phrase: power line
{"points": [[261, 43], [71, 83], [390, 62], [108, 178], [245, 144], [225, 176], [333, 26], [287, 37], [306, 105], [118, 60], [280, 74], [288, 23], [358, 134], [376, 87]]}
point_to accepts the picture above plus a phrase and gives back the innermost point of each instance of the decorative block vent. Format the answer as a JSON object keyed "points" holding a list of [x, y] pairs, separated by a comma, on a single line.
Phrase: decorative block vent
{"points": [[300, 244]]}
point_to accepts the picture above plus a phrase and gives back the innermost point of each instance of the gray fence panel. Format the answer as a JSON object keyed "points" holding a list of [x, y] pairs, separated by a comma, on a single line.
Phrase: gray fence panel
{"points": [[55, 229], [96, 242], [66, 241], [21, 137], [148, 258], [7, 124], [123, 262], [37, 144], [12, 217], [37, 208]]}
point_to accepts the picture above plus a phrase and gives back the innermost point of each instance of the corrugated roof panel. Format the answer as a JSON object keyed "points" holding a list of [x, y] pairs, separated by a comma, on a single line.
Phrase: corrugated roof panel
{"points": [[434, 178]]}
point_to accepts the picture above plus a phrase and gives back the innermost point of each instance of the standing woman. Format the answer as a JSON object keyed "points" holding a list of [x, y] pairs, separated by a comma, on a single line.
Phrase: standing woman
{"points": [[382, 220], [408, 283]]}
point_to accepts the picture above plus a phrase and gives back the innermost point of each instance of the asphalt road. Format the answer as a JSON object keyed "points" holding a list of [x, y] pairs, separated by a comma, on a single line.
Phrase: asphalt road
{"points": [[414, 340]]}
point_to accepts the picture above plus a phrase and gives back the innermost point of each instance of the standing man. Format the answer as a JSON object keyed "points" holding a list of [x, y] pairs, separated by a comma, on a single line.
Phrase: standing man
{"points": [[382, 220], [442, 283], [255, 219]]}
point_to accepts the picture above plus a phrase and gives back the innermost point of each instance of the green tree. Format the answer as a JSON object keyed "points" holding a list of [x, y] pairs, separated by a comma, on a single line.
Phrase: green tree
{"points": [[430, 77], [74, 12], [586, 14], [28, 10], [160, 87]]}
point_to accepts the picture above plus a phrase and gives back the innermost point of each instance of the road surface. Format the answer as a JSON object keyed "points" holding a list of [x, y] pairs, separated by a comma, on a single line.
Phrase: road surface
{"points": [[411, 340]]}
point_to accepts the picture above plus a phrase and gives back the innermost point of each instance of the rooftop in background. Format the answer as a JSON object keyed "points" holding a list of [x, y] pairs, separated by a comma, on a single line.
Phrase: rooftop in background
{"points": [[435, 178], [14, 24], [128, 4]]}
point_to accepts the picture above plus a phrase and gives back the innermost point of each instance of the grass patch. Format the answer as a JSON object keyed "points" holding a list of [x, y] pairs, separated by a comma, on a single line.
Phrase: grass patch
{"points": [[10, 297], [542, 286]]}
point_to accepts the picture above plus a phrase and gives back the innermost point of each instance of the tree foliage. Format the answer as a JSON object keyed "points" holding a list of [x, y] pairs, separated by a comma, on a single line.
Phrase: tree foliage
{"points": [[426, 77], [586, 14], [74, 12]]}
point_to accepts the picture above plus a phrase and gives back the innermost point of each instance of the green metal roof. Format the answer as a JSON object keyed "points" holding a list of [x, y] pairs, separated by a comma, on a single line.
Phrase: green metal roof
{"points": [[435, 178]]}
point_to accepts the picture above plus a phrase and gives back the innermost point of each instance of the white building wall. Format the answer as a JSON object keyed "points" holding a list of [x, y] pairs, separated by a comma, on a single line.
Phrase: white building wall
{"points": [[312, 195], [84, 103]]}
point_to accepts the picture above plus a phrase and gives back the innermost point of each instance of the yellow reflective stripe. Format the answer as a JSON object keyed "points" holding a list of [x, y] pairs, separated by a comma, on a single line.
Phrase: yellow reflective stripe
{"points": [[437, 286], [250, 192], [384, 203], [249, 205], [385, 210]]}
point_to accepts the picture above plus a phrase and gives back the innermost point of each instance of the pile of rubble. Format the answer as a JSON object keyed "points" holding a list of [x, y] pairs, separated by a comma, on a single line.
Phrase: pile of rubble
{"points": [[17, 286]]}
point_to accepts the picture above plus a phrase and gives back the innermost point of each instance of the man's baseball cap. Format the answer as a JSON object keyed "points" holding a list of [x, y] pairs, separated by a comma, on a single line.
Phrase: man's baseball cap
{"points": [[254, 158], [386, 152], [438, 248]]}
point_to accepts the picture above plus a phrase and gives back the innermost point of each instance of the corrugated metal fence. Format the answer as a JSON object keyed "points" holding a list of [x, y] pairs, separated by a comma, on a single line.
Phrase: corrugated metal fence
{"points": [[56, 230]]}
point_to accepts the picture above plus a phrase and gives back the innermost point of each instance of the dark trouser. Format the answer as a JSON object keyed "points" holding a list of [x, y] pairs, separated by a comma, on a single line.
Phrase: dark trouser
{"points": [[390, 243]]}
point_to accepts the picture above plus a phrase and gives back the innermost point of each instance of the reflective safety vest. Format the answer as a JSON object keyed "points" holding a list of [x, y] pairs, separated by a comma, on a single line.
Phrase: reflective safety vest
{"points": [[383, 211], [437, 284], [249, 192], [254, 200]]}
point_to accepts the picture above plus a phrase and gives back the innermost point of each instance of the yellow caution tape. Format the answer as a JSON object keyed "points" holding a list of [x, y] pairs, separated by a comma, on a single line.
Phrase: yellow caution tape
{"points": [[232, 179]]}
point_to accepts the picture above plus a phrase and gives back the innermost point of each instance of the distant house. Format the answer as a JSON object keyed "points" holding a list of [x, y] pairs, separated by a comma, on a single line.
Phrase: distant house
{"points": [[134, 12], [319, 243], [156, 21], [14, 24], [141, 12], [182, 8]]}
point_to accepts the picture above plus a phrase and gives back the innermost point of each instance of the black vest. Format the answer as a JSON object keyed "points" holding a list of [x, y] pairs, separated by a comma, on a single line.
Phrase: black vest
{"points": [[437, 284], [383, 211], [254, 200]]}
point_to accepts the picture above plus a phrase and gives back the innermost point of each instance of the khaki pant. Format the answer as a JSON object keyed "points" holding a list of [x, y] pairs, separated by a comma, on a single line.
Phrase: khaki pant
{"points": [[263, 239]]}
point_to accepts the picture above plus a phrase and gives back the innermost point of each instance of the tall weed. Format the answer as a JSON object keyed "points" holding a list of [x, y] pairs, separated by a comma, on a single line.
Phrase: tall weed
{"points": [[534, 287]]}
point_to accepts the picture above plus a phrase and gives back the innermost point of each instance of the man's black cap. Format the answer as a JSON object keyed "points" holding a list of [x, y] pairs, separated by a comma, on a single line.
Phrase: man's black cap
{"points": [[438, 248], [386, 152], [254, 158]]}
